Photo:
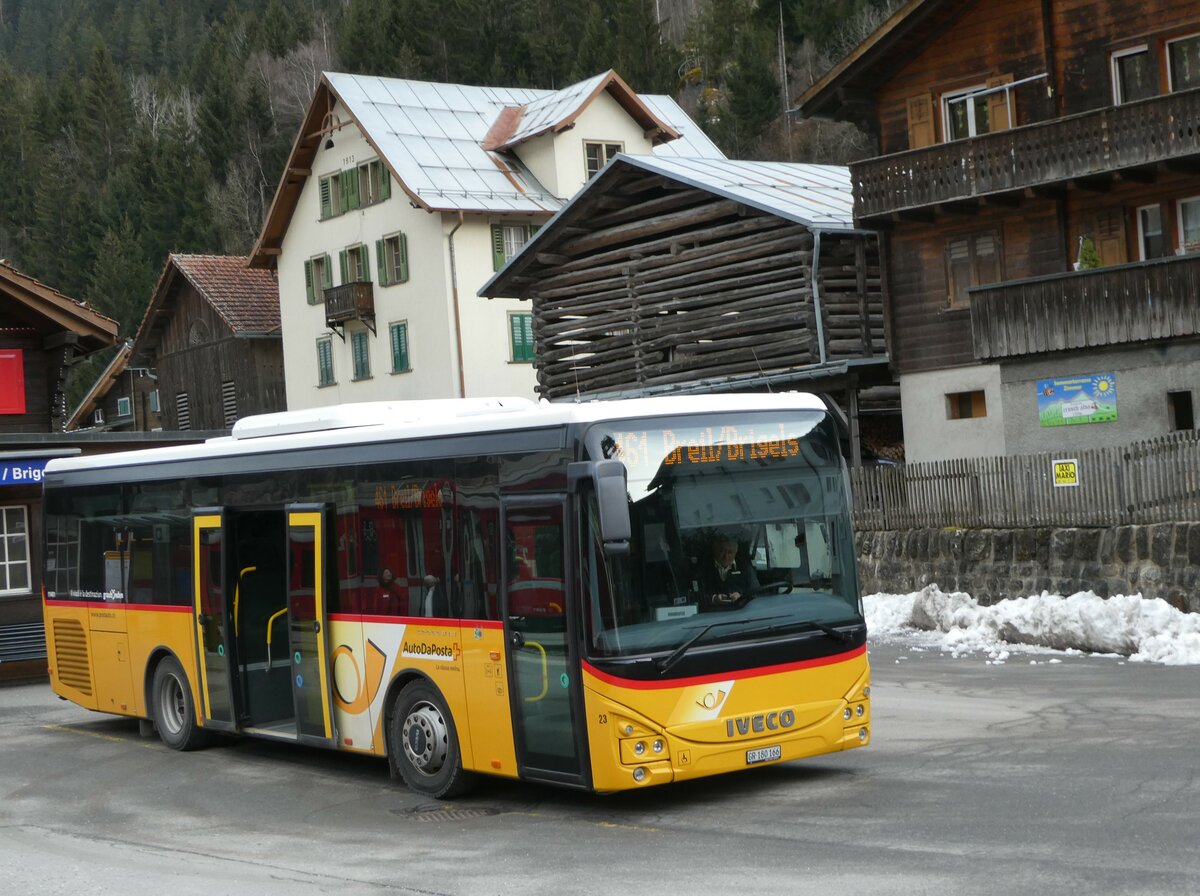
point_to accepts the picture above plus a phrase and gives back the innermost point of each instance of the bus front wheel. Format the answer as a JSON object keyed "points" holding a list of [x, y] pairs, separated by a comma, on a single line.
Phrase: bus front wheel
{"points": [[174, 712], [423, 745]]}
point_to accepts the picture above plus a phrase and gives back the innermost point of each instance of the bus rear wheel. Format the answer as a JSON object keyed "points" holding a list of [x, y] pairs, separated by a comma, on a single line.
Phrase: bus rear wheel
{"points": [[174, 712], [423, 745]]}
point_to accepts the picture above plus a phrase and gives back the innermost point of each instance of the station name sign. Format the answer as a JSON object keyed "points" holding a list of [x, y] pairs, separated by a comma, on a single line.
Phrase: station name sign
{"points": [[21, 472]]}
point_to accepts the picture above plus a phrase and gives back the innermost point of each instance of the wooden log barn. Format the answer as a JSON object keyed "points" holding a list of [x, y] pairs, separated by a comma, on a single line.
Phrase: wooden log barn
{"points": [[673, 275]]}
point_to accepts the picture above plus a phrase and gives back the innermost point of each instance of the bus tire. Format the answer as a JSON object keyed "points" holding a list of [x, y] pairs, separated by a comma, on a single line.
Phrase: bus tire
{"points": [[423, 743], [174, 711]]}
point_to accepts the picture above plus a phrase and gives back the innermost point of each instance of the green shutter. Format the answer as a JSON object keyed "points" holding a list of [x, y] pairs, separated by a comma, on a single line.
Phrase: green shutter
{"points": [[344, 265], [328, 273], [402, 274], [498, 258], [385, 182], [399, 347], [527, 333], [308, 284], [534, 228], [326, 200], [350, 189], [381, 263], [364, 263]]}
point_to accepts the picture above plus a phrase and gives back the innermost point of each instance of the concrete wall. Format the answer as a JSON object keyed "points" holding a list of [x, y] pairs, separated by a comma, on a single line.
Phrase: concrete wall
{"points": [[1161, 560], [1144, 375], [929, 433]]}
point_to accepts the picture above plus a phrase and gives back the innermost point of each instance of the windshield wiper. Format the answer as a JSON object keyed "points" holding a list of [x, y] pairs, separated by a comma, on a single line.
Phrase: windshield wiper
{"points": [[839, 636], [677, 654]]}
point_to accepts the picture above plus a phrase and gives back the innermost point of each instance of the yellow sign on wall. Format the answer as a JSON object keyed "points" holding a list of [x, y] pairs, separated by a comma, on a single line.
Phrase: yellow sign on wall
{"points": [[1066, 471]]}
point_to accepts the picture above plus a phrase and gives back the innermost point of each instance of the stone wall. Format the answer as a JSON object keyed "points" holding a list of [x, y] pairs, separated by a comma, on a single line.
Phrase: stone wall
{"points": [[1161, 560]]}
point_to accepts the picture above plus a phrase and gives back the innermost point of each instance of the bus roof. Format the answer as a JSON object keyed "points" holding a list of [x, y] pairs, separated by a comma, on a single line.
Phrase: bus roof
{"points": [[390, 421]]}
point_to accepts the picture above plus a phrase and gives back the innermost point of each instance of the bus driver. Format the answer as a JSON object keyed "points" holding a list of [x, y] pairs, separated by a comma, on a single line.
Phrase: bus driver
{"points": [[722, 582]]}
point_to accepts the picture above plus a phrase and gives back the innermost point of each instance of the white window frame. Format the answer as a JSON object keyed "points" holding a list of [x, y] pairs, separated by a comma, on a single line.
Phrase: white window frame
{"points": [[605, 157], [155, 402], [320, 276], [124, 406], [370, 191], [7, 562], [949, 97], [98, 417], [511, 247], [1182, 248], [1167, 52], [1114, 72], [1162, 222]]}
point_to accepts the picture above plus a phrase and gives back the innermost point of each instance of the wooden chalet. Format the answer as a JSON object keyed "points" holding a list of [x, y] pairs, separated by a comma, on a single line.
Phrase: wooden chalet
{"points": [[1038, 193], [123, 399], [42, 334], [211, 334], [694, 275]]}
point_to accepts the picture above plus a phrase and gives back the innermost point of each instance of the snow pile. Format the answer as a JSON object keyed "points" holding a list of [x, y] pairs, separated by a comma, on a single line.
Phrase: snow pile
{"points": [[1126, 625]]}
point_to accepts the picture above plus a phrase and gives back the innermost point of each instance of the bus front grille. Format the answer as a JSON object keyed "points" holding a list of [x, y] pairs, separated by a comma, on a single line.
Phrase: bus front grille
{"points": [[71, 656]]}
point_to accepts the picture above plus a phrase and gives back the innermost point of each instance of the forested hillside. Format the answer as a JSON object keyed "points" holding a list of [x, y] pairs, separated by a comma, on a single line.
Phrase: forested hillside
{"points": [[133, 128]]}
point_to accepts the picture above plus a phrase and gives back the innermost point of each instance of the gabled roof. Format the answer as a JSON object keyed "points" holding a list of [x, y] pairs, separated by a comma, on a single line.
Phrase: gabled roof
{"points": [[246, 298], [47, 310], [103, 383], [558, 110], [905, 33], [432, 137], [819, 197]]}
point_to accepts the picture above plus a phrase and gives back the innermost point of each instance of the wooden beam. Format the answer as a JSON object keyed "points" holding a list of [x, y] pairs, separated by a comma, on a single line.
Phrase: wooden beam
{"points": [[966, 207], [1144, 174], [916, 216]]}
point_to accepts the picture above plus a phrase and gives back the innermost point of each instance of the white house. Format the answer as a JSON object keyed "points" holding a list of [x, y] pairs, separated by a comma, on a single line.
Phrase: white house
{"points": [[401, 198]]}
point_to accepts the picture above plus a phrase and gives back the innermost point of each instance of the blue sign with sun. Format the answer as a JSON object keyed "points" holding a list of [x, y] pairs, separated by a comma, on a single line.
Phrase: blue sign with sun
{"points": [[1090, 398]]}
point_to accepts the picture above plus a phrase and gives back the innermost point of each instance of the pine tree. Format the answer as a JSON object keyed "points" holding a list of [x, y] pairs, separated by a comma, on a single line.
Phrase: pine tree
{"points": [[106, 115], [118, 285]]}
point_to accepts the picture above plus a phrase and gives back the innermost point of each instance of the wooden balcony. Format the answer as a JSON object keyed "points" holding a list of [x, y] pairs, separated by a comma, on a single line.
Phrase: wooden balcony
{"points": [[1088, 148], [1125, 303], [350, 301]]}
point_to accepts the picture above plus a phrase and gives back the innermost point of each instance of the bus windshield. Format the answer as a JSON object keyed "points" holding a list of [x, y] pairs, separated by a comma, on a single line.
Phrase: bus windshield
{"points": [[746, 516]]}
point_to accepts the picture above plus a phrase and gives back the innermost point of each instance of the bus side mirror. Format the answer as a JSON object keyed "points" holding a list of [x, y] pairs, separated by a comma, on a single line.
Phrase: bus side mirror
{"points": [[608, 477]]}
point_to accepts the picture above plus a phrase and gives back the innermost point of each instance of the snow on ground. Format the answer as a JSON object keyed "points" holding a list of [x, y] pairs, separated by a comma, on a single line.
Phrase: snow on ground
{"points": [[1130, 626]]}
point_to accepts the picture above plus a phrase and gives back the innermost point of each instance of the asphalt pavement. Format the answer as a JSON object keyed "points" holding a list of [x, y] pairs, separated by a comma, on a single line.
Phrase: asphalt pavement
{"points": [[1026, 777]]}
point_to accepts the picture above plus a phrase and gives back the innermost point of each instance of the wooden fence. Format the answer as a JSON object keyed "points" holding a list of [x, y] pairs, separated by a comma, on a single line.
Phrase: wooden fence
{"points": [[1154, 481]]}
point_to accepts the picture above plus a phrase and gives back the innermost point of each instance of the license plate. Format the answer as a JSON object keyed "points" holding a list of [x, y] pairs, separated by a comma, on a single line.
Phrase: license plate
{"points": [[763, 754]]}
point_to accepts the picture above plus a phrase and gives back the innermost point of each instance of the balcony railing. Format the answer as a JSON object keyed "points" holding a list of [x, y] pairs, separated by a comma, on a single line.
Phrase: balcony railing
{"points": [[1108, 306], [1087, 145], [350, 301]]}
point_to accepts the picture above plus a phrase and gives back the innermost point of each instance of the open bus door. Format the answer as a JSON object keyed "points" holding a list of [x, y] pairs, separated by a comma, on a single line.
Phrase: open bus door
{"points": [[212, 611], [307, 588], [543, 663]]}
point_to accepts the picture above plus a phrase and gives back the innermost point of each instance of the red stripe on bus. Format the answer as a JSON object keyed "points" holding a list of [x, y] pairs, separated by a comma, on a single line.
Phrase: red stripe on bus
{"points": [[728, 676]]}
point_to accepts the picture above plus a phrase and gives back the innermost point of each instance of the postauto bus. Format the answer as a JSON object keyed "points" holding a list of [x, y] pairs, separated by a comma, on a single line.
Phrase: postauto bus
{"points": [[474, 587]]}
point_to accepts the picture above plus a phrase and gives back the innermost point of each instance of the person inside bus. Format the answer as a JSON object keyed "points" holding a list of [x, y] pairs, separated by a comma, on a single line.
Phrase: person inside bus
{"points": [[388, 599], [723, 580]]}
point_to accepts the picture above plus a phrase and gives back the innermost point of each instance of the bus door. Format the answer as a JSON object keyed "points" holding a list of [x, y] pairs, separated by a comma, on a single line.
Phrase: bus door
{"points": [[307, 580], [543, 664], [212, 611]]}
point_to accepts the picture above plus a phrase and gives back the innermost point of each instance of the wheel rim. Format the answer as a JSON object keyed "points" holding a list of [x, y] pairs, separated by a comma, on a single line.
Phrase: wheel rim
{"points": [[426, 738], [172, 707]]}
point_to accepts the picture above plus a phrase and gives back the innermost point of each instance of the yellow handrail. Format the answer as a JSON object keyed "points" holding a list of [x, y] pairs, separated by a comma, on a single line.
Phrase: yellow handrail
{"points": [[271, 622], [545, 671], [237, 594]]}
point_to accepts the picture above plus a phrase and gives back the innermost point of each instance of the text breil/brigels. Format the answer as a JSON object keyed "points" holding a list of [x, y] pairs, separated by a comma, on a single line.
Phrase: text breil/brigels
{"points": [[766, 721]]}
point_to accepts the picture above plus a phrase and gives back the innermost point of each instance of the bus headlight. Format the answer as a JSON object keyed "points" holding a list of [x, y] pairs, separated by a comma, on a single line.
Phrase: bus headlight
{"points": [[657, 746], [847, 714], [862, 735], [639, 774], [859, 710], [639, 748]]}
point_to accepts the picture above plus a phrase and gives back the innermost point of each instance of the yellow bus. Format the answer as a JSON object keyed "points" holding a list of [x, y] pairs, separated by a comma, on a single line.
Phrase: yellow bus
{"points": [[600, 595]]}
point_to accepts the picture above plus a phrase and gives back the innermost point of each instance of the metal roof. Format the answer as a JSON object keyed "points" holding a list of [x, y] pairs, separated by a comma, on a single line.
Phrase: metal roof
{"points": [[431, 136], [693, 143], [818, 196]]}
